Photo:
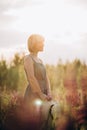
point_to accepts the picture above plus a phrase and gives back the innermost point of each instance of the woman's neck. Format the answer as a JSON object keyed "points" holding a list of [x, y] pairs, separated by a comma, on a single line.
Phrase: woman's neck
{"points": [[34, 54], [35, 57]]}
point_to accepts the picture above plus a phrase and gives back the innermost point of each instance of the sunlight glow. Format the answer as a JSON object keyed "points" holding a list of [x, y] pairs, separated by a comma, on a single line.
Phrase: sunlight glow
{"points": [[59, 21], [38, 102]]}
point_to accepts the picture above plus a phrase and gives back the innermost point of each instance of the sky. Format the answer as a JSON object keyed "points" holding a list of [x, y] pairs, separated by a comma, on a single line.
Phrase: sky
{"points": [[63, 23]]}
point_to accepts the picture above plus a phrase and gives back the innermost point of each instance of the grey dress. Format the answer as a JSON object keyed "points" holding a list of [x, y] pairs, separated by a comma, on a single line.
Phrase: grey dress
{"points": [[40, 74]]}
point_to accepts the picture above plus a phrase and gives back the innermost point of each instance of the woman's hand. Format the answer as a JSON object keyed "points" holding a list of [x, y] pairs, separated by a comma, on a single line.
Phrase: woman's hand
{"points": [[41, 96], [49, 97]]}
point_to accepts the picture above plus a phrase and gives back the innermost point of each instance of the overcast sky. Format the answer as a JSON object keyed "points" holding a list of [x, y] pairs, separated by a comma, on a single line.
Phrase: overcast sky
{"points": [[63, 23]]}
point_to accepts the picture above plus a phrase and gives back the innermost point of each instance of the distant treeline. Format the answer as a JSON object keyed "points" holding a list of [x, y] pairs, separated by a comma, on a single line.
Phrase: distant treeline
{"points": [[12, 75], [63, 77]]}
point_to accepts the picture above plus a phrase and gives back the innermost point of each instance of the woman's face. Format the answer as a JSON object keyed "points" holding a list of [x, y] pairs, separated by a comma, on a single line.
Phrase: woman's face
{"points": [[40, 45]]}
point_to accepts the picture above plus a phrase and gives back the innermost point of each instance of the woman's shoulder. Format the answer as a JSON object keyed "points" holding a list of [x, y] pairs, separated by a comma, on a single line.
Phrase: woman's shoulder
{"points": [[27, 58]]}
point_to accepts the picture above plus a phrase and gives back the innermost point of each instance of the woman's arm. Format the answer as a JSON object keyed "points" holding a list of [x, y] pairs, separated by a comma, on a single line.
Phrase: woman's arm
{"points": [[28, 65]]}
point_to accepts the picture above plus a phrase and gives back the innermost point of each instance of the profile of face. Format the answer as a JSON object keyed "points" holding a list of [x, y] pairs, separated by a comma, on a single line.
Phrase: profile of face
{"points": [[35, 43], [40, 45]]}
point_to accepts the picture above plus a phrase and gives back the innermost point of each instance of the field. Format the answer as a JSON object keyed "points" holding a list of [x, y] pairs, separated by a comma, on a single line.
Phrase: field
{"points": [[69, 88]]}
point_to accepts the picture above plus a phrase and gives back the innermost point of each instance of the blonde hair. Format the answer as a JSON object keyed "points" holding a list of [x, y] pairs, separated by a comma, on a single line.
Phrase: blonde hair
{"points": [[33, 41]]}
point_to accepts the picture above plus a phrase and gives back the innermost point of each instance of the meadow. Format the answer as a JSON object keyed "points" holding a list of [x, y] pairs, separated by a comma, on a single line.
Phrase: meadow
{"points": [[69, 88]]}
